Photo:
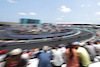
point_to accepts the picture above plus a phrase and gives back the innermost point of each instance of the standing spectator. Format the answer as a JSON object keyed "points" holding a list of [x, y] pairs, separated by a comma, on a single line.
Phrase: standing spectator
{"points": [[44, 58], [71, 56], [57, 55], [82, 54]]}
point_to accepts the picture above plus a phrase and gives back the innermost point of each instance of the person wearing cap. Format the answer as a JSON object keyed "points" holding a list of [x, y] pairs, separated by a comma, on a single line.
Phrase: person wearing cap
{"points": [[82, 54], [13, 59], [44, 58], [71, 56]]}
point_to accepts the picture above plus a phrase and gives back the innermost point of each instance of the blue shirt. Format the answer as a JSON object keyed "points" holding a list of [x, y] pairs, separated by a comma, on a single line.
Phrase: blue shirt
{"points": [[44, 59]]}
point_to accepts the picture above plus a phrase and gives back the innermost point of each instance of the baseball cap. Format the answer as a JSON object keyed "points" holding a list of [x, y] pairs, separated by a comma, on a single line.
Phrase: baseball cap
{"points": [[15, 51], [76, 44]]}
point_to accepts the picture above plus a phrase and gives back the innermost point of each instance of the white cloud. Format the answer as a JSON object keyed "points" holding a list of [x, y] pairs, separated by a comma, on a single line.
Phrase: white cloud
{"points": [[98, 3], [59, 18], [86, 5], [65, 9], [82, 5], [22, 13], [97, 13], [11, 1], [32, 13]]}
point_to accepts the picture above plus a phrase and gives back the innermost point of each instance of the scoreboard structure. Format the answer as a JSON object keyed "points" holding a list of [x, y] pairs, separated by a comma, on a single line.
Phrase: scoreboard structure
{"points": [[30, 21]]}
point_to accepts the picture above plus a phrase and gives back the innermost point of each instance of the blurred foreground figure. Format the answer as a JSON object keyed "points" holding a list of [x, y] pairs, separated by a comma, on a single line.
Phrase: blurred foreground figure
{"points": [[14, 59], [44, 58], [72, 57], [82, 54], [57, 55], [91, 50], [97, 46], [3, 54]]}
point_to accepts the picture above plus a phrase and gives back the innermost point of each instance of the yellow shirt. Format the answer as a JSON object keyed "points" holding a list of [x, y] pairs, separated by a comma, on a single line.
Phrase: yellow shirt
{"points": [[84, 56]]}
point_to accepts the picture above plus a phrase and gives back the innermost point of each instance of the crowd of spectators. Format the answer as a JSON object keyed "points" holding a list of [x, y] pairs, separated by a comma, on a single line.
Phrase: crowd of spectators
{"points": [[73, 54]]}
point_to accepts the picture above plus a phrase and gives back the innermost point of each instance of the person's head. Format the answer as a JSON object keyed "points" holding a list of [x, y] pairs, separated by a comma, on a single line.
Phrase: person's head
{"points": [[61, 45], [56, 46], [76, 44], [15, 53], [88, 43], [69, 44], [13, 57], [45, 48], [98, 41]]}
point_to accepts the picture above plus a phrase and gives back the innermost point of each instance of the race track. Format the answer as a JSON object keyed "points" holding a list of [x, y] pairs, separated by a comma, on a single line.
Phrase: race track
{"points": [[82, 36]]}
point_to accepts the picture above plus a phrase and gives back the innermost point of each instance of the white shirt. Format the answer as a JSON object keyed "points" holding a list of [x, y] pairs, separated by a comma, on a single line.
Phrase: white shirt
{"points": [[57, 57]]}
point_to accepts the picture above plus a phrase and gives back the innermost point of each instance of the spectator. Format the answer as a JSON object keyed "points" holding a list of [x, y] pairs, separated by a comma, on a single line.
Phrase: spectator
{"points": [[82, 54], [57, 57], [91, 50], [44, 58], [97, 46], [62, 47], [3, 54], [72, 57], [14, 59]]}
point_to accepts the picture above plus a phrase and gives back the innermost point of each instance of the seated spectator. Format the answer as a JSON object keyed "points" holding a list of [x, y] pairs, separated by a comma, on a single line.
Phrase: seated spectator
{"points": [[91, 50], [71, 56], [3, 54], [44, 58], [62, 47], [97, 46], [82, 54], [14, 59], [57, 55]]}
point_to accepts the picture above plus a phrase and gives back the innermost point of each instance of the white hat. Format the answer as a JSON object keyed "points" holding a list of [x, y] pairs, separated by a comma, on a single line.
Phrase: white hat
{"points": [[15, 51]]}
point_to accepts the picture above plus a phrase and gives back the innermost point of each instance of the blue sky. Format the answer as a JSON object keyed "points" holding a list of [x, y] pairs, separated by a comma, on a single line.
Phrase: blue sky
{"points": [[51, 11]]}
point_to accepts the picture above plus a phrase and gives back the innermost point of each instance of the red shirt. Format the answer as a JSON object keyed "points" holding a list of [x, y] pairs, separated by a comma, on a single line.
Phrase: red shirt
{"points": [[74, 62]]}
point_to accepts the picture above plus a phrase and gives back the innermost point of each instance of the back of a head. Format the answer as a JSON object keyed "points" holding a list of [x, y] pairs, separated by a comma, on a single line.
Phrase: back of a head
{"points": [[45, 48], [70, 46], [88, 43]]}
